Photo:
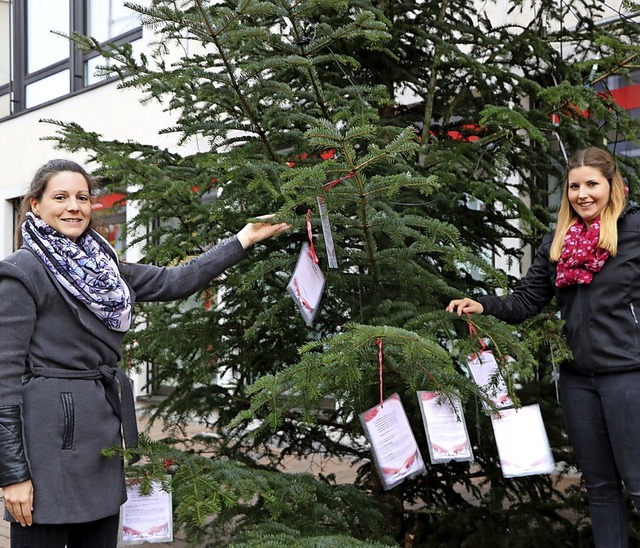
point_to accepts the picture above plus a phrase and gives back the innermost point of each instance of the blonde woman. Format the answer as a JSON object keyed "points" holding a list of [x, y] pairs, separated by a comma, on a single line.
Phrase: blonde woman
{"points": [[591, 265]]}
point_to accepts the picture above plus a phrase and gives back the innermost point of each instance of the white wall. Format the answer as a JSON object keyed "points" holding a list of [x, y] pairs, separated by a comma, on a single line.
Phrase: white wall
{"points": [[113, 113]]}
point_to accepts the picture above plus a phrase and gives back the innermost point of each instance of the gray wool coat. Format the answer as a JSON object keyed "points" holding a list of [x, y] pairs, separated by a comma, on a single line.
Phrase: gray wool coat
{"points": [[68, 422]]}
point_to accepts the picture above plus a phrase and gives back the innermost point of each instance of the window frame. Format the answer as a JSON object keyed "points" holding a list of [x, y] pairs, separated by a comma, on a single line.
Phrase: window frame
{"points": [[75, 63]]}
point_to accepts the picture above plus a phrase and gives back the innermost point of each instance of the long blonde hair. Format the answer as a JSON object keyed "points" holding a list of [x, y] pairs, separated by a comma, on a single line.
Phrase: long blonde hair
{"points": [[603, 161]]}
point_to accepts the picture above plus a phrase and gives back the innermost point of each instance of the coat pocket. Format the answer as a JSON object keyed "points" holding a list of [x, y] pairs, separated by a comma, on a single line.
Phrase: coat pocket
{"points": [[68, 415]]}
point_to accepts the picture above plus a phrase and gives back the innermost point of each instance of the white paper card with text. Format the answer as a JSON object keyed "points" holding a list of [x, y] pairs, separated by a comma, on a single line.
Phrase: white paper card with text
{"points": [[146, 518], [445, 427], [486, 374], [306, 285], [395, 451], [523, 446]]}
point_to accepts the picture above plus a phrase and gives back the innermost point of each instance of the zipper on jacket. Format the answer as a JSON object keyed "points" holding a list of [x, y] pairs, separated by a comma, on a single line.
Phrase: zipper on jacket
{"points": [[585, 342], [633, 313]]}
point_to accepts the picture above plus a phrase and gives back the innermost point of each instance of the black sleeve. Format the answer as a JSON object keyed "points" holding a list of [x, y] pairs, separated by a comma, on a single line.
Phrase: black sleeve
{"points": [[13, 464], [531, 296]]}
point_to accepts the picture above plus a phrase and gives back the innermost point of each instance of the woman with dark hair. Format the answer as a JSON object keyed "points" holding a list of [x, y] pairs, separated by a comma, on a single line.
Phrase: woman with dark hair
{"points": [[591, 265], [65, 305]]}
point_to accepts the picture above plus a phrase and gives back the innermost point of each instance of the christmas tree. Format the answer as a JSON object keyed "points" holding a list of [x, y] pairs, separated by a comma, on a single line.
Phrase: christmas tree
{"points": [[430, 135]]}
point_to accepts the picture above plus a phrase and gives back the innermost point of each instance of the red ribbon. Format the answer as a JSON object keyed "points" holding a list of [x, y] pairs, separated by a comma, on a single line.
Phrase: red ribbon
{"points": [[312, 249], [379, 343], [438, 389], [474, 333], [335, 182]]}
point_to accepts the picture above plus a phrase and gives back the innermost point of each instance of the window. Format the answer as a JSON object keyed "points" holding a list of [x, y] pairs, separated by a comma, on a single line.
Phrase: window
{"points": [[109, 18], [5, 58], [38, 64], [626, 92], [47, 88], [44, 48]]}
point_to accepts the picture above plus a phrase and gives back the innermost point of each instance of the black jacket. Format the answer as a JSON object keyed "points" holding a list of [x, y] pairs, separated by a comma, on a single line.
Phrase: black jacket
{"points": [[602, 319]]}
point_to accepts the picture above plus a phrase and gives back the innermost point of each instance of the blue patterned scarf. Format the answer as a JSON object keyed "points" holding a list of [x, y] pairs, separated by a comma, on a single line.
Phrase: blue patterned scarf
{"points": [[87, 269]]}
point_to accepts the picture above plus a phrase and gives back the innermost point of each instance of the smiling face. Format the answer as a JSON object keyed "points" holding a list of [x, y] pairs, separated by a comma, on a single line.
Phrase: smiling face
{"points": [[588, 191], [65, 204]]}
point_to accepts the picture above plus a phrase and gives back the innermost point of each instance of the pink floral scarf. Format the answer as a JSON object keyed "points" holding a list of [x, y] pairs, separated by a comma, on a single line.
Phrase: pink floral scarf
{"points": [[581, 257]]}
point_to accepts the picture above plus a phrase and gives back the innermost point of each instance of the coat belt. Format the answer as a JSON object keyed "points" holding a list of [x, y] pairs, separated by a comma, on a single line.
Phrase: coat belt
{"points": [[118, 392]]}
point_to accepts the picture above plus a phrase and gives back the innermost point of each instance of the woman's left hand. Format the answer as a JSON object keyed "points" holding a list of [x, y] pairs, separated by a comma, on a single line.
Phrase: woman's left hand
{"points": [[252, 233]]}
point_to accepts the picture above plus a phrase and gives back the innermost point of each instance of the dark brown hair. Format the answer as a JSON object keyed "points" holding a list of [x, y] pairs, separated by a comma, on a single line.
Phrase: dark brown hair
{"points": [[39, 184]]}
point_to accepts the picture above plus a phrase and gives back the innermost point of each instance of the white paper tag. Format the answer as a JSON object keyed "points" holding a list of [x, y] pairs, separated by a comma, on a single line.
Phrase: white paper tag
{"points": [[523, 446], [445, 427], [306, 285], [395, 451], [146, 518], [486, 374], [326, 231]]}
